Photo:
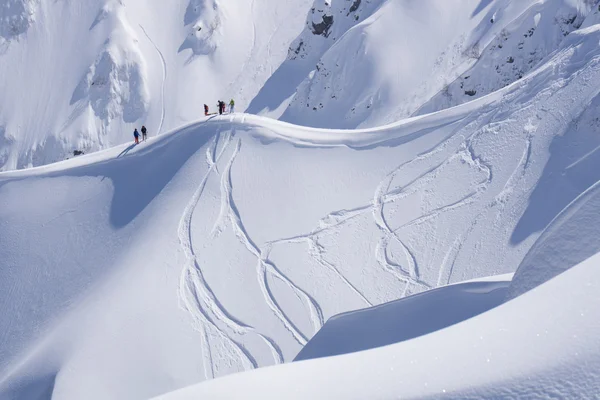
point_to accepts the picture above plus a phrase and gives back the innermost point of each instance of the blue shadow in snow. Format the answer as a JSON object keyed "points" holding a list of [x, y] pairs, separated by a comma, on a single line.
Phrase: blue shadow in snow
{"points": [[562, 180], [127, 150], [403, 319], [279, 87], [31, 388], [482, 5], [138, 178]]}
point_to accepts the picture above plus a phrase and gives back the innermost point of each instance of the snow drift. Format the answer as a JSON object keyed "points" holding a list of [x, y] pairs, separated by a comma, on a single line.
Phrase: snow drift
{"points": [[405, 319], [534, 346], [570, 239]]}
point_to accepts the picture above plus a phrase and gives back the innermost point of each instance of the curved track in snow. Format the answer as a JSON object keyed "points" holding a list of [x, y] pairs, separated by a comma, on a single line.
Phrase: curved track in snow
{"points": [[164, 80]]}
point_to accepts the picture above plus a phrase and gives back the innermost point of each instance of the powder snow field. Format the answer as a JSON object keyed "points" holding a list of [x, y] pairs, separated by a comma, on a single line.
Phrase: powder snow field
{"points": [[540, 345], [226, 243]]}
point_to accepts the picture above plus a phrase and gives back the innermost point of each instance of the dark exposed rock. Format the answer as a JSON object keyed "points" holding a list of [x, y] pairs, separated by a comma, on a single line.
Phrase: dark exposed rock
{"points": [[297, 51], [322, 28], [354, 6]]}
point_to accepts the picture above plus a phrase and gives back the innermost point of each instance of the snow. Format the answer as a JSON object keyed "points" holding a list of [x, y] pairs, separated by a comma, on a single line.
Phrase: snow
{"points": [[371, 69], [406, 318], [223, 244], [120, 64], [542, 344], [570, 238]]}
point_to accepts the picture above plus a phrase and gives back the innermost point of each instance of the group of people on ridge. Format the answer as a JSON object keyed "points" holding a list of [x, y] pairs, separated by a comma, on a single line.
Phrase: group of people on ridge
{"points": [[221, 107], [136, 134]]}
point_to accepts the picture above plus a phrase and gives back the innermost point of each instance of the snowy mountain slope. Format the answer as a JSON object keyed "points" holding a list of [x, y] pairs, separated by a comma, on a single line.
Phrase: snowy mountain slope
{"points": [[406, 318], [84, 85], [386, 60], [121, 63], [542, 344], [515, 50], [569, 239], [224, 245]]}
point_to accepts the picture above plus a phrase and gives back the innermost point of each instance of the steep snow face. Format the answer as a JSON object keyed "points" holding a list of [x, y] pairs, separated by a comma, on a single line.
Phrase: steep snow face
{"points": [[571, 238], [118, 64], [116, 85], [514, 51], [375, 69], [405, 319]]}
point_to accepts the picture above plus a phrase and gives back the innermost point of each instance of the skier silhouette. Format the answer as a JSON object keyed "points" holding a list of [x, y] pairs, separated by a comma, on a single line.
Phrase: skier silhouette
{"points": [[144, 133], [136, 135], [231, 106]]}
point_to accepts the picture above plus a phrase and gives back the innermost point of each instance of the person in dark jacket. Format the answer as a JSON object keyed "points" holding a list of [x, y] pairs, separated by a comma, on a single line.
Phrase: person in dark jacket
{"points": [[136, 135], [220, 105], [205, 109], [144, 133]]}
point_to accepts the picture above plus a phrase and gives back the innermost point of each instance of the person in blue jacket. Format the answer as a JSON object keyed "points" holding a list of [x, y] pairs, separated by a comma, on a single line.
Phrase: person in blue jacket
{"points": [[136, 135]]}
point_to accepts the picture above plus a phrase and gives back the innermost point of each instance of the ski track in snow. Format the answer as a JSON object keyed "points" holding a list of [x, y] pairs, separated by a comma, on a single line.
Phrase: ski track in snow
{"points": [[422, 171], [164, 80], [195, 293], [383, 195], [229, 211]]}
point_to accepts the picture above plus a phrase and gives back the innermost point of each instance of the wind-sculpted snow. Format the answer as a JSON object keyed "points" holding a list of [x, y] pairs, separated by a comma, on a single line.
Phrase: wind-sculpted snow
{"points": [[535, 346], [361, 73], [203, 19], [405, 319], [514, 51], [571, 238], [85, 84], [226, 244], [115, 84], [419, 226]]}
